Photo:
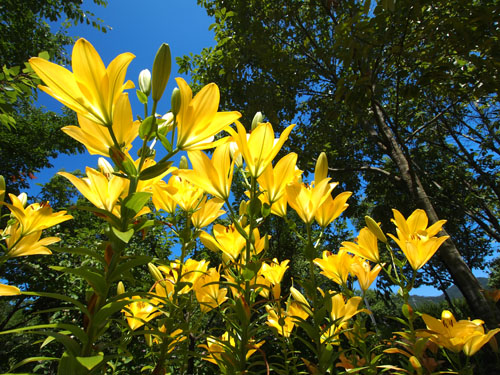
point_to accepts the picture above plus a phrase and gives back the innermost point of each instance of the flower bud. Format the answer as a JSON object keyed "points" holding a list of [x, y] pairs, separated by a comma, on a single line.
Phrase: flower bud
{"points": [[175, 101], [105, 167], [145, 81], [258, 118], [183, 163], [155, 272], [23, 197], [321, 170], [243, 208], [373, 226], [2, 188], [161, 71], [120, 289], [235, 154], [416, 364]]}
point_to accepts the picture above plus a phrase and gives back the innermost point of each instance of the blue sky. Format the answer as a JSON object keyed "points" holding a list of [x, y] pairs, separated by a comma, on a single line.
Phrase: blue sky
{"points": [[141, 28]]}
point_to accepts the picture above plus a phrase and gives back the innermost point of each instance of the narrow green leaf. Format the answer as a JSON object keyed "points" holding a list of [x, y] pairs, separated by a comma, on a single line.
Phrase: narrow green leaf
{"points": [[155, 170], [61, 297], [96, 281]]}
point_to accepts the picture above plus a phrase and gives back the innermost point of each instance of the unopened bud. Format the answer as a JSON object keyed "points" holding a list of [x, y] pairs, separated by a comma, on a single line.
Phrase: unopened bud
{"points": [[235, 154], [23, 197], [120, 289], [321, 170], [416, 364], [155, 272], [243, 208], [166, 125], [183, 163], [175, 101], [145, 81], [373, 226], [2, 188], [299, 297], [105, 167], [161, 71], [258, 118]]}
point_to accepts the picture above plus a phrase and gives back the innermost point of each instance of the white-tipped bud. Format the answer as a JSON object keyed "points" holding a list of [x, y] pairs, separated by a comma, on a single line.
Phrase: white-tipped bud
{"points": [[235, 154], [168, 123], [23, 197], [105, 167], [257, 119], [145, 81]]}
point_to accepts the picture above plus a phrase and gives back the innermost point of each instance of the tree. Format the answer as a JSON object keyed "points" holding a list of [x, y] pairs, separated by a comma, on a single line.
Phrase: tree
{"points": [[27, 134], [402, 96]]}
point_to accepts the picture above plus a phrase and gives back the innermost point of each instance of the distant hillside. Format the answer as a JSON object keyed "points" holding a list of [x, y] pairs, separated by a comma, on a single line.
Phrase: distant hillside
{"points": [[452, 291]]}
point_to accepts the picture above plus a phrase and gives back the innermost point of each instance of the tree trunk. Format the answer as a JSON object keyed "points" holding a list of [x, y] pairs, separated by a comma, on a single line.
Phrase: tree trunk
{"points": [[448, 253]]}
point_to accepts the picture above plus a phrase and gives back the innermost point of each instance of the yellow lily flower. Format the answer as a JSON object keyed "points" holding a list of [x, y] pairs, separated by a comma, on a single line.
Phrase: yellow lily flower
{"points": [[179, 190], [207, 212], [271, 276], [98, 189], [97, 139], [341, 313], [259, 148], [335, 266], [91, 90], [36, 216], [279, 207], [331, 208], [192, 270], [463, 335], [28, 244], [274, 180], [365, 274], [343, 310], [219, 349], [139, 312], [213, 176], [285, 322], [227, 239], [163, 196], [9, 290], [208, 291], [306, 199], [198, 120], [416, 241], [366, 246]]}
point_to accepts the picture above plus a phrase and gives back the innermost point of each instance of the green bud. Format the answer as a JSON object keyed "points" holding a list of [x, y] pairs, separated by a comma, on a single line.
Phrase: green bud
{"points": [[183, 163], [258, 118], [155, 272], [2, 188], [161, 71], [176, 101], [321, 170], [145, 81], [375, 229]]}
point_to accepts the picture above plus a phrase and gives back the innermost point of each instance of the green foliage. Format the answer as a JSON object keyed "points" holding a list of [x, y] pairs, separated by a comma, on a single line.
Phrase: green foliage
{"points": [[364, 80]]}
